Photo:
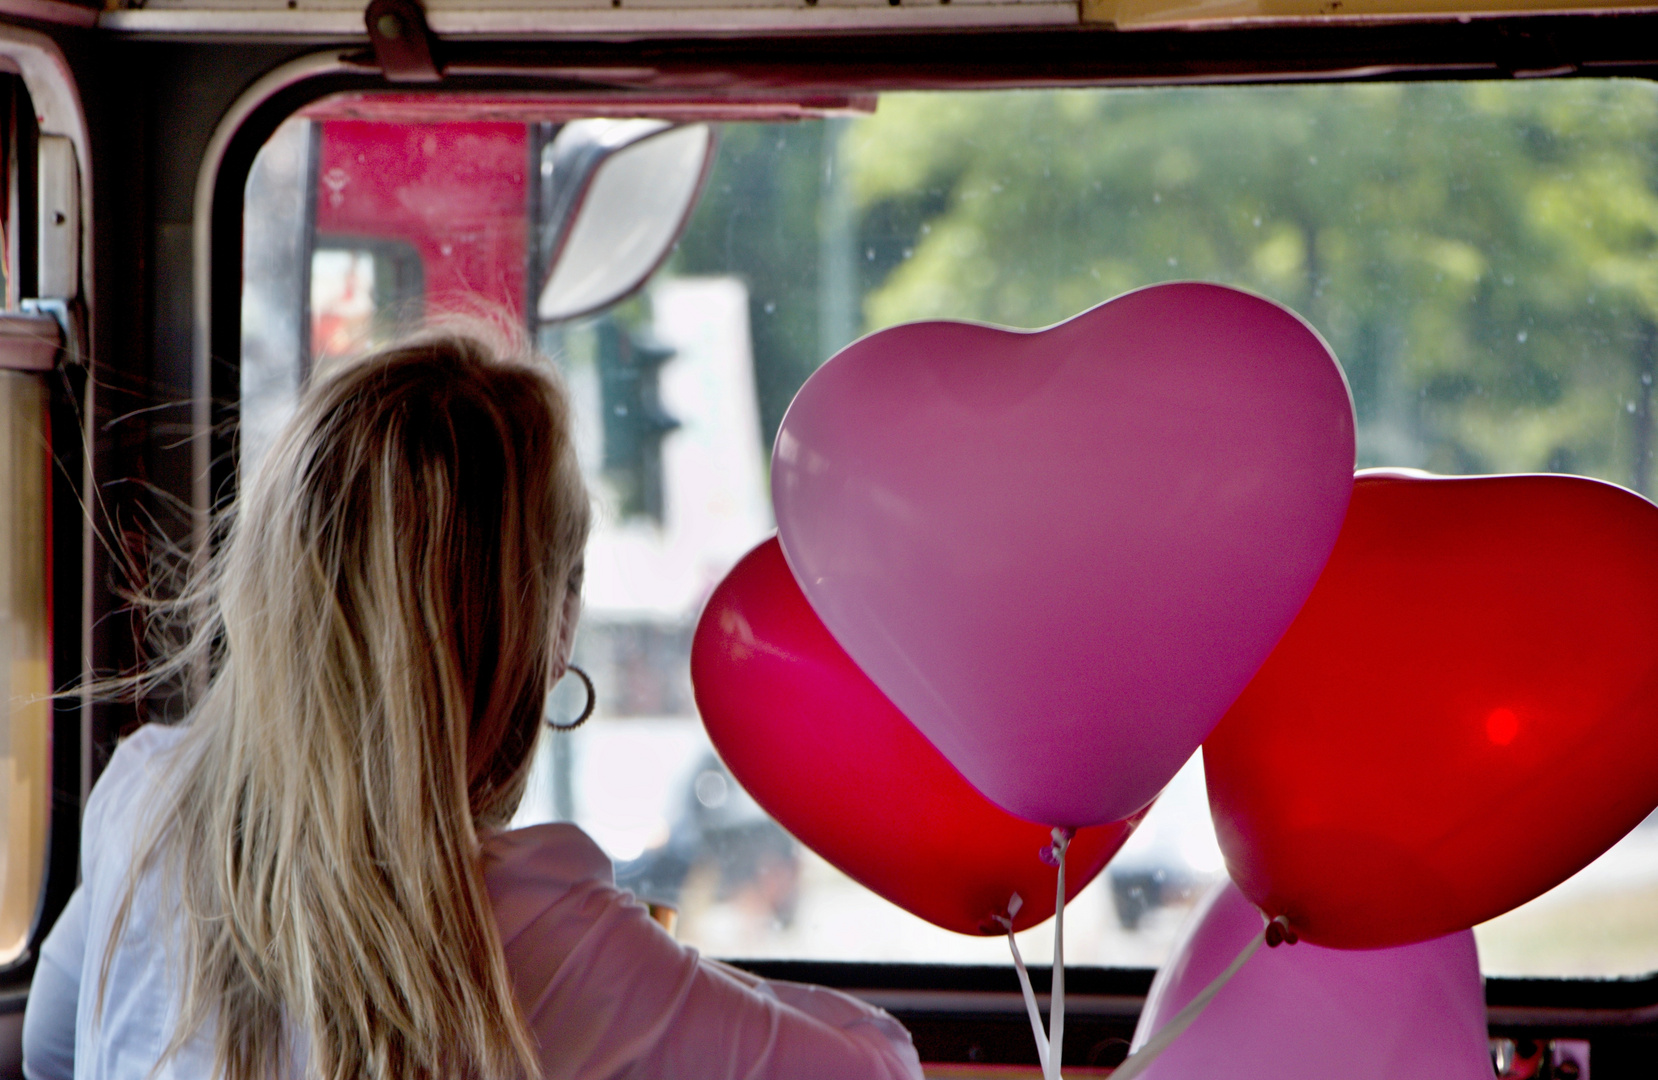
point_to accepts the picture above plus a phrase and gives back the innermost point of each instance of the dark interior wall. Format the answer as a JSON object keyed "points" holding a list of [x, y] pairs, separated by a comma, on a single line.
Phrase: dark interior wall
{"points": [[152, 108]]}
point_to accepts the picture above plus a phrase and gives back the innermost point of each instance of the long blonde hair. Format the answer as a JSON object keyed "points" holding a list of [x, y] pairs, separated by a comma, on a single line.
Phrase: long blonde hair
{"points": [[382, 619]]}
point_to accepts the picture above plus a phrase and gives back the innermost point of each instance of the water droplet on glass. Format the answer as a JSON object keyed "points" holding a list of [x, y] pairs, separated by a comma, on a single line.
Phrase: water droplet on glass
{"points": [[711, 789]]}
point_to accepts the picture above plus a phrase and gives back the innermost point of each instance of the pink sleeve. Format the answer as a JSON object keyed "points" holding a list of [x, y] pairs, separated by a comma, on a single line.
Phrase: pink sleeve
{"points": [[609, 994]]}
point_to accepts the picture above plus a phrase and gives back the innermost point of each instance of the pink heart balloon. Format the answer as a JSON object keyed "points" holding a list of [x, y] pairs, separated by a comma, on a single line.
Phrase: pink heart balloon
{"points": [[1301, 1012], [1063, 553]]}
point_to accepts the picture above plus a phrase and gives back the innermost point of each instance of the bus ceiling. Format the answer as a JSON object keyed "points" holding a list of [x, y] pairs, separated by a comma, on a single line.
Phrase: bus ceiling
{"points": [[665, 18]]}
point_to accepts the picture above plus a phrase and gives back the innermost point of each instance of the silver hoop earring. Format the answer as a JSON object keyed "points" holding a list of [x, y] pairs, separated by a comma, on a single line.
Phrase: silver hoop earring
{"points": [[592, 701]]}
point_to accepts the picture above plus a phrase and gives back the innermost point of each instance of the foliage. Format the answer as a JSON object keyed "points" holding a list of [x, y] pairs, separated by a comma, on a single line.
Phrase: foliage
{"points": [[1483, 257], [1480, 256], [759, 219]]}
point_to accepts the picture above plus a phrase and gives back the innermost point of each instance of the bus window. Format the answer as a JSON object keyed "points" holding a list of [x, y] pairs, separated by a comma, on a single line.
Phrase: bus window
{"points": [[1480, 256]]}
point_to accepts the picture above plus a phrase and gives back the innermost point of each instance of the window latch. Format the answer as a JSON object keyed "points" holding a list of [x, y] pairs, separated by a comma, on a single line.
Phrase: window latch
{"points": [[403, 44]]}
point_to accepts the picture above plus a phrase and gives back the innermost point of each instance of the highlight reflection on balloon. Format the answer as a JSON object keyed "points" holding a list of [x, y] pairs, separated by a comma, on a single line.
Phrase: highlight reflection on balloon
{"points": [[1464, 714]]}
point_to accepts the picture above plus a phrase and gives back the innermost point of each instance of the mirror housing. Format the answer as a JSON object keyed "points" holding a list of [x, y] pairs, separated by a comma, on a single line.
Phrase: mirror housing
{"points": [[617, 194]]}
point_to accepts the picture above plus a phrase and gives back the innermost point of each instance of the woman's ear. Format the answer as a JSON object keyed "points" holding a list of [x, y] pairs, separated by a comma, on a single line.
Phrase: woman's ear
{"points": [[569, 614]]}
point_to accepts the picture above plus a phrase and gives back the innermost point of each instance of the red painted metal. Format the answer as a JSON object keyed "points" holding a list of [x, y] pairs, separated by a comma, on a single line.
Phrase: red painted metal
{"points": [[455, 192]]}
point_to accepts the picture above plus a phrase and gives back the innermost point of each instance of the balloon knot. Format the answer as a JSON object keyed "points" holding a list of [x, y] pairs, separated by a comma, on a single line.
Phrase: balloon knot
{"points": [[1055, 851], [1279, 932], [1004, 921]]}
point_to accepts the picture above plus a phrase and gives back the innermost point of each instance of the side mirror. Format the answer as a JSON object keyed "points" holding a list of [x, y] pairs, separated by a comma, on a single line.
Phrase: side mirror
{"points": [[617, 194]]}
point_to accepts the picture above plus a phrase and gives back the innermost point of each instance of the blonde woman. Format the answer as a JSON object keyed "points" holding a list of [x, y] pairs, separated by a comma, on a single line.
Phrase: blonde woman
{"points": [[313, 877]]}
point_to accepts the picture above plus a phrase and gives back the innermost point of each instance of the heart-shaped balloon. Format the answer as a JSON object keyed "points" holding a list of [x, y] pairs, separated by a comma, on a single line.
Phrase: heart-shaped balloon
{"points": [[1464, 714], [1063, 553], [1305, 1013], [827, 755]]}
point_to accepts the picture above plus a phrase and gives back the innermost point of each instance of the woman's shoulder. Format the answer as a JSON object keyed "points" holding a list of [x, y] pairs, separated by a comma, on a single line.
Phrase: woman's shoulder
{"points": [[123, 798], [144, 744], [131, 769], [554, 855], [546, 874], [135, 761]]}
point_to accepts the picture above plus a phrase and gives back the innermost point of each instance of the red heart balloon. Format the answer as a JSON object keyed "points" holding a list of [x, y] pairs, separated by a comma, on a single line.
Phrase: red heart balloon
{"points": [[1463, 715], [828, 756]]}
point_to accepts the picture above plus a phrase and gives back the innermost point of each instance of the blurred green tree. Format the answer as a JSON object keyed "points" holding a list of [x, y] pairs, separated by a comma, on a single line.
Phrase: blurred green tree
{"points": [[1483, 257], [1480, 256]]}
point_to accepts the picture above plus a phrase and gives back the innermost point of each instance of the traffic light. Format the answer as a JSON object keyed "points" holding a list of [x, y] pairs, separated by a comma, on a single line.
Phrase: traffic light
{"points": [[635, 422]]}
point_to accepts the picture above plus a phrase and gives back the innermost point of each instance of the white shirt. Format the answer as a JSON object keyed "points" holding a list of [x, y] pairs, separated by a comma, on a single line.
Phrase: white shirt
{"points": [[603, 989]]}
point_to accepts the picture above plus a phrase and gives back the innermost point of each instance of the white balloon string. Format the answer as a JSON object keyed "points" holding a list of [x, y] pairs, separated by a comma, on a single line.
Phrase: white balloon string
{"points": [[1030, 998], [1139, 1061], [1056, 1003]]}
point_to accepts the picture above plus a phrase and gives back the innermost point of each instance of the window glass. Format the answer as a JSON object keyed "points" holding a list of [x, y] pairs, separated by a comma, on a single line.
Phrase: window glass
{"points": [[276, 285], [25, 662], [1482, 257], [25, 565]]}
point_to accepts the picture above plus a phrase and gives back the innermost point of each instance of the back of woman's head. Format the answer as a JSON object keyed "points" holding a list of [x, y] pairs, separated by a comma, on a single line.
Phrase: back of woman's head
{"points": [[414, 531], [388, 606]]}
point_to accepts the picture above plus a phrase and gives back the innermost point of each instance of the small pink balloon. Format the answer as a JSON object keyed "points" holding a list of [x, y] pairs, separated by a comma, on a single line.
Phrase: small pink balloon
{"points": [[1303, 1012], [1063, 553]]}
